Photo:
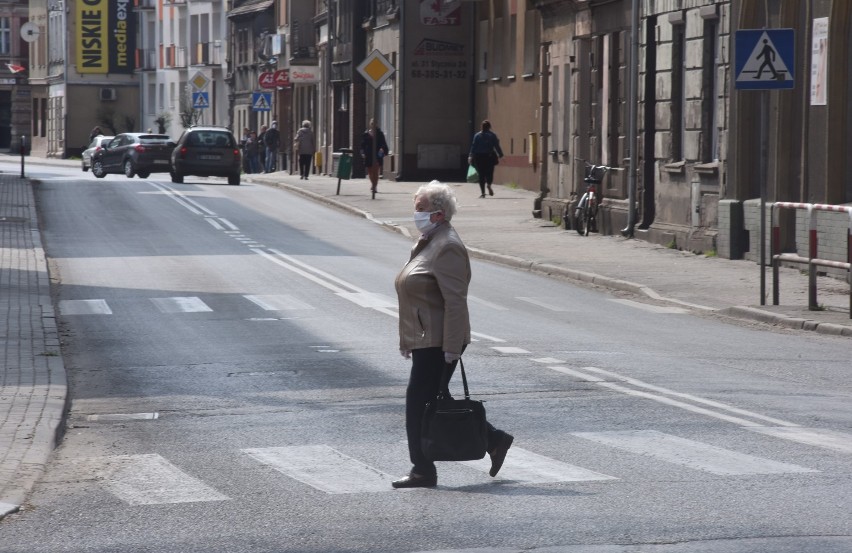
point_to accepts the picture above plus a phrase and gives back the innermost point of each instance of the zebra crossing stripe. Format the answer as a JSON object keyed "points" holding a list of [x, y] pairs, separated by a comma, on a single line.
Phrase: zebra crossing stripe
{"points": [[84, 307], [531, 468], [181, 305], [150, 479], [323, 468], [689, 453], [820, 437]]}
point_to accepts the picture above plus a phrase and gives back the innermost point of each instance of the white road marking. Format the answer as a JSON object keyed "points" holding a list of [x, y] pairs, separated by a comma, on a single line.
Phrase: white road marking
{"points": [[689, 397], [543, 303], [820, 437], [280, 302], [689, 453], [531, 468], [84, 307], [150, 480], [481, 301], [214, 223], [228, 224], [189, 304], [547, 360], [324, 468], [509, 349], [123, 417], [650, 308], [369, 299], [578, 374], [487, 337]]}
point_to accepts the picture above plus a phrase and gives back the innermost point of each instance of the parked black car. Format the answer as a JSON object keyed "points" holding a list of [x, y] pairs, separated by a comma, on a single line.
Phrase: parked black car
{"points": [[206, 152], [133, 153]]}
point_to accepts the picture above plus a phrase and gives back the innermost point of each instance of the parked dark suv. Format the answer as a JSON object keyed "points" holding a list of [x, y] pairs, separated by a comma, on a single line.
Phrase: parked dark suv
{"points": [[133, 153], [206, 152]]}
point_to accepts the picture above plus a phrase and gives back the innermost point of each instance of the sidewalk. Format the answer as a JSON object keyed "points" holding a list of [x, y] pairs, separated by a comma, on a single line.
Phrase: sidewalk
{"points": [[500, 229]]}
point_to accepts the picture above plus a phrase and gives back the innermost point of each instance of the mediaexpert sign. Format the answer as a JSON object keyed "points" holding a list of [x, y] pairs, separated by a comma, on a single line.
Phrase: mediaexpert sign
{"points": [[105, 37]]}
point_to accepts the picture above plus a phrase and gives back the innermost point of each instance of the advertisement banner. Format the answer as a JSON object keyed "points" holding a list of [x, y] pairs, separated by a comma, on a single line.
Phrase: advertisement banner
{"points": [[105, 38]]}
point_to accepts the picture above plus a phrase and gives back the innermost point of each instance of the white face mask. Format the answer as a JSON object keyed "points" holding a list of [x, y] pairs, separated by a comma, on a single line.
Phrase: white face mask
{"points": [[421, 220]]}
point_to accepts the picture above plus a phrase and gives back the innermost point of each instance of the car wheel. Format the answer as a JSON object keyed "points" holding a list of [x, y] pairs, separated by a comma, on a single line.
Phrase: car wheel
{"points": [[234, 179], [98, 169], [177, 178], [144, 174], [128, 169]]}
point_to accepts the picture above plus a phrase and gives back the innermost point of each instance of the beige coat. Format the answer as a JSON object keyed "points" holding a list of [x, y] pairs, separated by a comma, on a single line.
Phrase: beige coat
{"points": [[432, 292]]}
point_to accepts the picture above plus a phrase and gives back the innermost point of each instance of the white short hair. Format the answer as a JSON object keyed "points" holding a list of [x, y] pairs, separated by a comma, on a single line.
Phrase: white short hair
{"points": [[440, 197]]}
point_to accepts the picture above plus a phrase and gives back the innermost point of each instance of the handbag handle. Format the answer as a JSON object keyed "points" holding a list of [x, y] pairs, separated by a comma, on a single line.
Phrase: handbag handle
{"points": [[446, 382]]}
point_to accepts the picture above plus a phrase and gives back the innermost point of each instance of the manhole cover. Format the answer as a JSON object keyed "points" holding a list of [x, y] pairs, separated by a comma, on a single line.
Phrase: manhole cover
{"points": [[12, 219]]}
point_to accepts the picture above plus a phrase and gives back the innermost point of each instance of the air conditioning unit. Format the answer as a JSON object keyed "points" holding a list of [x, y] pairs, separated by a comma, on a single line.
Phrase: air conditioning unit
{"points": [[108, 95]]}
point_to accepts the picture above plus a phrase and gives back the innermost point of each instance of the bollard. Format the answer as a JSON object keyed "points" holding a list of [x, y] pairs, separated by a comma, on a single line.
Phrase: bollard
{"points": [[23, 152]]}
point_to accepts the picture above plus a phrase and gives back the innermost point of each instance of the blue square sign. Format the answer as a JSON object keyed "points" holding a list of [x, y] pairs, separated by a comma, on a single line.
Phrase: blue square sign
{"points": [[764, 59]]}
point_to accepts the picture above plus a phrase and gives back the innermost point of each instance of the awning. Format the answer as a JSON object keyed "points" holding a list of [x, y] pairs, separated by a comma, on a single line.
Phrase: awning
{"points": [[252, 6]]}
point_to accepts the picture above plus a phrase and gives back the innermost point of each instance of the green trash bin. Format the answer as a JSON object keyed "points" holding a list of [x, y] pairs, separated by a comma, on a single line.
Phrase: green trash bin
{"points": [[344, 166]]}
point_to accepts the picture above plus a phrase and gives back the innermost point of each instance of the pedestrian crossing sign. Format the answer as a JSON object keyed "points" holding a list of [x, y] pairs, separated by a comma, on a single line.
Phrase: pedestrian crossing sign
{"points": [[261, 101], [200, 100], [765, 59]]}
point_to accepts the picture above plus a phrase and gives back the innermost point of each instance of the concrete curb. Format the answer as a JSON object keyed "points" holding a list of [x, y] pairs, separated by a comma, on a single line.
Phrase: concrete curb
{"points": [[778, 319]]}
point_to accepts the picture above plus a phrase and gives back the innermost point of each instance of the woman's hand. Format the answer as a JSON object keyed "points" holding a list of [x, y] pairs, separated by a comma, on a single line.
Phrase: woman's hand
{"points": [[451, 357], [405, 353]]}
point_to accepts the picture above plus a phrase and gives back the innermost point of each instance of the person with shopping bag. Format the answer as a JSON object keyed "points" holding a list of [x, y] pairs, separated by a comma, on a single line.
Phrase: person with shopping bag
{"points": [[434, 324], [485, 154]]}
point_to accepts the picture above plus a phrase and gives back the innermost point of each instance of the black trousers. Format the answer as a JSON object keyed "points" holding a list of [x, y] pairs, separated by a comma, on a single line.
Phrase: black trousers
{"points": [[427, 366], [305, 164], [484, 164]]}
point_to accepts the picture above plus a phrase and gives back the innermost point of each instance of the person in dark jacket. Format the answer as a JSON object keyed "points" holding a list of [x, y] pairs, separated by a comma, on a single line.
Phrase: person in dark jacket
{"points": [[373, 150], [484, 154], [272, 142]]}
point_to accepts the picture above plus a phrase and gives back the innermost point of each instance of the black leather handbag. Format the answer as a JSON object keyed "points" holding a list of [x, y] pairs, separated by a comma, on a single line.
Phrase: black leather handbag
{"points": [[454, 429]]}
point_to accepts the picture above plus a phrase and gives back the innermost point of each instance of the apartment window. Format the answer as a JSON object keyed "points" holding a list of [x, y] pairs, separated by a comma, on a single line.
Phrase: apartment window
{"points": [[385, 110], [531, 45], [43, 111], [5, 36], [678, 100], [566, 108], [482, 63], [499, 45], [555, 110], [709, 94]]}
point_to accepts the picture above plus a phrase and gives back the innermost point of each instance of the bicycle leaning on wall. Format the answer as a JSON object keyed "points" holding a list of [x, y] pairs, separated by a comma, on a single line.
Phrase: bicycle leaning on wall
{"points": [[586, 212]]}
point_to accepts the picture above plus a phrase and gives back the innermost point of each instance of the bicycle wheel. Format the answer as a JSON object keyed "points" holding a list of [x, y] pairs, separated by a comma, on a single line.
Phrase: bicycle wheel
{"points": [[580, 220]]}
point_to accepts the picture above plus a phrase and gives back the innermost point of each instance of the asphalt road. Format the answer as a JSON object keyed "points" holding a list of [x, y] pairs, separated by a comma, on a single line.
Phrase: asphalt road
{"points": [[236, 386]]}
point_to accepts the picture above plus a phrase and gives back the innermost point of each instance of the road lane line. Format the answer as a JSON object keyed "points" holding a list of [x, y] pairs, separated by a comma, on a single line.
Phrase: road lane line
{"points": [[185, 198], [189, 304], [481, 301], [690, 397], [542, 303], [279, 302], [509, 349], [531, 468], [84, 307], [487, 337], [214, 223], [369, 299], [650, 308], [313, 278], [689, 453], [150, 480], [323, 468], [820, 437]]}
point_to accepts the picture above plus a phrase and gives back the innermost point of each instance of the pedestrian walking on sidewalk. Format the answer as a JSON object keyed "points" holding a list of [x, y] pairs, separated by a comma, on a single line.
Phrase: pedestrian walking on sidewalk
{"points": [[305, 146], [253, 153], [272, 143], [485, 153], [373, 150], [261, 148], [434, 323]]}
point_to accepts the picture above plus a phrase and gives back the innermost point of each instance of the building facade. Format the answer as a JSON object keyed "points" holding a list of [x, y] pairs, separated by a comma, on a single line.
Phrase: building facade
{"points": [[15, 90]]}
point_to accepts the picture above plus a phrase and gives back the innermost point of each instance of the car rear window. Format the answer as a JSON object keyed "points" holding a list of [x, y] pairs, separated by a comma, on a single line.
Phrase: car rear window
{"points": [[154, 138], [211, 139]]}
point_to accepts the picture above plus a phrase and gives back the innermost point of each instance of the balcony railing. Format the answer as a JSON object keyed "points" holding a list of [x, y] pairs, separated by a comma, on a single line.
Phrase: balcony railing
{"points": [[173, 57], [208, 53], [146, 59]]}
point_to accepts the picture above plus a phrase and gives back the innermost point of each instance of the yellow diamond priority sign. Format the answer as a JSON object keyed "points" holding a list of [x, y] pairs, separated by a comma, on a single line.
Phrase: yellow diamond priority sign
{"points": [[376, 69]]}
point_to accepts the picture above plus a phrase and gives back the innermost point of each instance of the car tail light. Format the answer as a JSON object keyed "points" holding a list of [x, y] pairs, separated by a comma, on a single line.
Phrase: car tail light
{"points": [[236, 154], [97, 149], [139, 148], [183, 152]]}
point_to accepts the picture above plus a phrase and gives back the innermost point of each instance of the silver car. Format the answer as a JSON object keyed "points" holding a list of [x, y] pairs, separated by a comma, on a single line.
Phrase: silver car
{"points": [[92, 148]]}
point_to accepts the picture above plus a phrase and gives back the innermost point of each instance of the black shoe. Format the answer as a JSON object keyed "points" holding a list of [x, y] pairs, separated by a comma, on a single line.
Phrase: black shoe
{"points": [[482, 195], [416, 481], [499, 453], [490, 192]]}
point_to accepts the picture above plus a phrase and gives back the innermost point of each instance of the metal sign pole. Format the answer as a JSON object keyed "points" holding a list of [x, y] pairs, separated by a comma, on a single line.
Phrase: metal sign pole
{"points": [[764, 174]]}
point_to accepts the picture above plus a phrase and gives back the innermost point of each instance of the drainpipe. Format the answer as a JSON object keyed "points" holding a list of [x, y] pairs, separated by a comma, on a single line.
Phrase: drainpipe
{"points": [[633, 104], [544, 117], [401, 79]]}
